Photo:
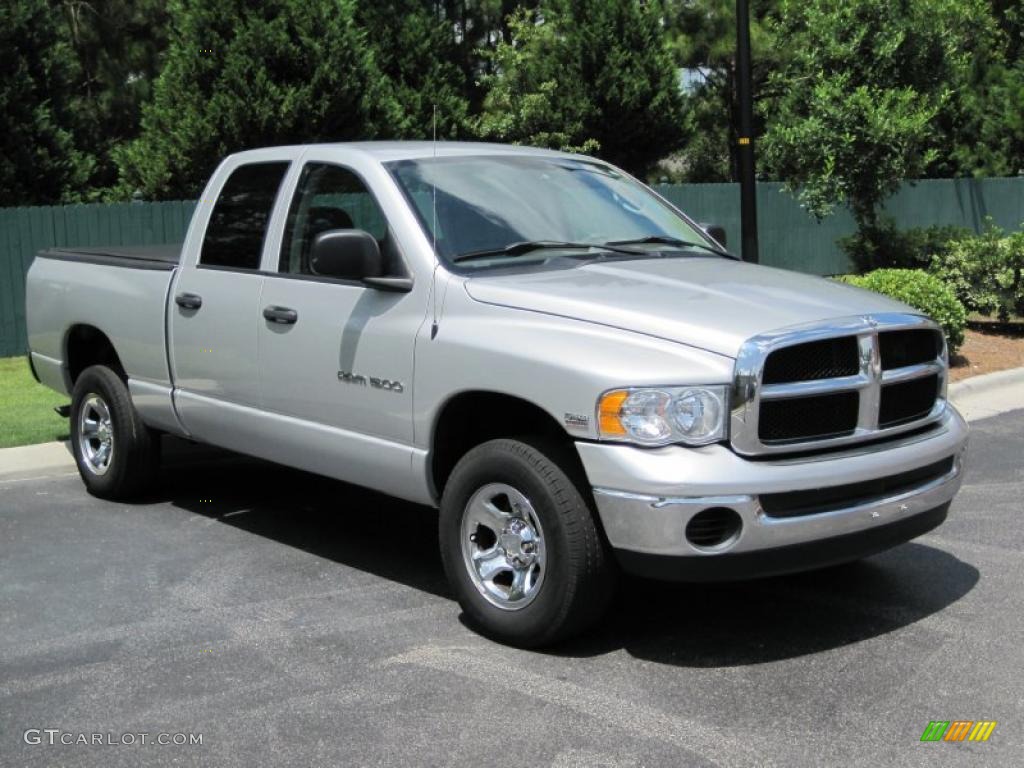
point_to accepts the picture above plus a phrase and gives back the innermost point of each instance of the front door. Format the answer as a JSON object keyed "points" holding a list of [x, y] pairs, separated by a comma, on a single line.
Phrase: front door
{"points": [[335, 356]]}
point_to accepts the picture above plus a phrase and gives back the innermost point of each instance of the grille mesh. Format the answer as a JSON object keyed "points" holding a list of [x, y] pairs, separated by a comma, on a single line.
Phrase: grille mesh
{"points": [[808, 418], [825, 359], [902, 348], [907, 401]]}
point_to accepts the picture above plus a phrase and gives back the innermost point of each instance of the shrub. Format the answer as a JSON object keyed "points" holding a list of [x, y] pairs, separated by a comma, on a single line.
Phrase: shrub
{"points": [[884, 246], [985, 271], [923, 292]]}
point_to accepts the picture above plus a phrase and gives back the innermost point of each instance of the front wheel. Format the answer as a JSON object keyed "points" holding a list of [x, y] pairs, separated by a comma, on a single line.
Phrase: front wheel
{"points": [[117, 454], [520, 545]]}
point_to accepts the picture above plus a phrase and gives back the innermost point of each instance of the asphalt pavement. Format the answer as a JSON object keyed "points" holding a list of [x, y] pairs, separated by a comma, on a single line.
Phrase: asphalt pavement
{"points": [[285, 619]]}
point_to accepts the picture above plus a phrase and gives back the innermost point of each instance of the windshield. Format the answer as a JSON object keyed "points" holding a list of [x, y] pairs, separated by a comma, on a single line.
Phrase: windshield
{"points": [[497, 206]]}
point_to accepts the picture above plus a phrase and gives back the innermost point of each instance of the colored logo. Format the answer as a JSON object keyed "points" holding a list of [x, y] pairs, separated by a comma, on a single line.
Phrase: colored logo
{"points": [[958, 730]]}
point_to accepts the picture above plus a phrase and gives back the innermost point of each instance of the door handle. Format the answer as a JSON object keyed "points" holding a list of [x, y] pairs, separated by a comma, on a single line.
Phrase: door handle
{"points": [[281, 315], [188, 301]]}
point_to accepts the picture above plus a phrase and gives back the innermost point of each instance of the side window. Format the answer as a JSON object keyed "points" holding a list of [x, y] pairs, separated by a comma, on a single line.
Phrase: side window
{"points": [[238, 224], [328, 197]]}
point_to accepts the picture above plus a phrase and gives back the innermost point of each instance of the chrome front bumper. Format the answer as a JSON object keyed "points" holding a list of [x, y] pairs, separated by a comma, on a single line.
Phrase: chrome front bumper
{"points": [[645, 498]]}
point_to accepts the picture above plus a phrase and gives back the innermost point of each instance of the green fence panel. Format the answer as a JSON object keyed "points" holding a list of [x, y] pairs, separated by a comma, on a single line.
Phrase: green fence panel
{"points": [[789, 237], [25, 231], [9, 280], [965, 202]]}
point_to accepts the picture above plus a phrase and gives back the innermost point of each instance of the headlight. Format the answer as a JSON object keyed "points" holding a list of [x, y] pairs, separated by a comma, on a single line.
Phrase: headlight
{"points": [[663, 415]]}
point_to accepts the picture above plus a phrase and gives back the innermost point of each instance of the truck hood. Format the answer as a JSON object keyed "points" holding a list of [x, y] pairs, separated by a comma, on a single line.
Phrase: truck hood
{"points": [[715, 304]]}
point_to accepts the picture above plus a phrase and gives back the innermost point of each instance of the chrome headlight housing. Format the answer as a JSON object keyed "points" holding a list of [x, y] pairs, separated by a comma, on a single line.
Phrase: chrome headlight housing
{"points": [[663, 415]]}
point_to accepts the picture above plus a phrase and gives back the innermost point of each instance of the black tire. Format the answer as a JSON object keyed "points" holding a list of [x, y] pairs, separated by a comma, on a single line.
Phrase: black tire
{"points": [[579, 572], [134, 461]]}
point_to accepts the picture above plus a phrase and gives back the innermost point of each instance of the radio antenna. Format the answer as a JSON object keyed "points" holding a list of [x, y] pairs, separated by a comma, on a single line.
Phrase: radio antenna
{"points": [[433, 231], [433, 187]]}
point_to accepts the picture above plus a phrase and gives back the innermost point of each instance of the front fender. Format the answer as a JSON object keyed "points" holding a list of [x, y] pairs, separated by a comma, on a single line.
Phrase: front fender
{"points": [[562, 365]]}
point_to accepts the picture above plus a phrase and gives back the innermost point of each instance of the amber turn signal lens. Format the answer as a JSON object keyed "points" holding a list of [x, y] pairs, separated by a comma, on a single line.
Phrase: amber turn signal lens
{"points": [[608, 413]]}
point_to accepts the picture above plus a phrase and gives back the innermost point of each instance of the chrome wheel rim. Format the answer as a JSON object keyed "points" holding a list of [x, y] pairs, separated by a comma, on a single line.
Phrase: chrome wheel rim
{"points": [[503, 546], [95, 434]]}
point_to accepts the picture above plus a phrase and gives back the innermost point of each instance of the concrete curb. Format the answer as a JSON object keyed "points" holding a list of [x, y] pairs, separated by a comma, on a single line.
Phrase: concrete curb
{"points": [[988, 395], [40, 460], [986, 382]]}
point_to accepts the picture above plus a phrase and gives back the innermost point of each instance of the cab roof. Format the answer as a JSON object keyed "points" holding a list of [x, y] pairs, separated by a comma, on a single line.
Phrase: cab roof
{"points": [[387, 151]]}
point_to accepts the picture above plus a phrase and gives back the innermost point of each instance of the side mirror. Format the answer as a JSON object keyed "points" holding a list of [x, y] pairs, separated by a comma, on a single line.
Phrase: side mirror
{"points": [[348, 254], [716, 231]]}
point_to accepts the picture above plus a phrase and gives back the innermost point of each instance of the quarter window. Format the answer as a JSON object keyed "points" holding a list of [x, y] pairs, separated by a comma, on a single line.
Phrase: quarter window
{"points": [[238, 224], [328, 197]]}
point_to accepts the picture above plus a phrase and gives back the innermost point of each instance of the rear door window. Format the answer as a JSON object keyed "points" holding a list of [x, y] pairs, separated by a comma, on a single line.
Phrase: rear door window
{"points": [[238, 224]]}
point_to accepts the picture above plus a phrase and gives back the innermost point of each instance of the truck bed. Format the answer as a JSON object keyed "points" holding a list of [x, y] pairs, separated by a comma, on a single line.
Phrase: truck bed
{"points": [[163, 257], [119, 292]]}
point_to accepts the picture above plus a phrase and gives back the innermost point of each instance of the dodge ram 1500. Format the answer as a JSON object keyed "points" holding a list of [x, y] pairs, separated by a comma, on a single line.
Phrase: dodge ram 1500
{"points": [[578, 375]]}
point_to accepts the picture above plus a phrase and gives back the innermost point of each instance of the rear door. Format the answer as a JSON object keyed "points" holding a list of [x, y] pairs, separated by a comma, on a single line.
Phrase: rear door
{"points": [[213, 310]]}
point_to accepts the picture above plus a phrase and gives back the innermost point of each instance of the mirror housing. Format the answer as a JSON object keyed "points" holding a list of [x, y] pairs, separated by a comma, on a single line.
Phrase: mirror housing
{"points": [[716, 232], [346, 254]]}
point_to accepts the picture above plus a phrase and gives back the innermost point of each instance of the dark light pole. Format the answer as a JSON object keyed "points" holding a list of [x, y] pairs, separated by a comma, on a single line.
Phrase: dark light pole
{"points": [[744, 92]]}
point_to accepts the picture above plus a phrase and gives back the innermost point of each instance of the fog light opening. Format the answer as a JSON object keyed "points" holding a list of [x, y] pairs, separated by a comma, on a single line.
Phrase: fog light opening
{"points": [[714, 529]]}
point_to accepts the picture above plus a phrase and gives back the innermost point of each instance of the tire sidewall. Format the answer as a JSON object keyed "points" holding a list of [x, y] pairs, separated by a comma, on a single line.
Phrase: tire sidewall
{"points": [[496, 462], [108, 386]]}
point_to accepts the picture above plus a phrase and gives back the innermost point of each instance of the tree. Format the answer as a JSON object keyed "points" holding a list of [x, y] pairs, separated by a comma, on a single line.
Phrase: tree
{"points": [[240, 74], [701, 34], [417, 51], [534, 99], [982, 125], [477, 28], [117, 46], [38, 161], [861, 88], [1009, 14], [590, 74]]}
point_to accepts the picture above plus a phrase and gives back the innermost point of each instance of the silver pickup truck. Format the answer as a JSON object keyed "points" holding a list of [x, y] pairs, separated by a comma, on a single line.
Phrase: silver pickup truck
{"points": [[572, 370]]}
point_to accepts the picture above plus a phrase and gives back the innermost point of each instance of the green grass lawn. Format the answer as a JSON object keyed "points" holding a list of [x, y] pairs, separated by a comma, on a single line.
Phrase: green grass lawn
{"points": [[26, 407]]}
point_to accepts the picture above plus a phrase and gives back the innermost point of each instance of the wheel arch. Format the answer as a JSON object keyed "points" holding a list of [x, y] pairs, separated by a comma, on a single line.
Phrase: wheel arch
{"points": [[85, 345], [472, 417]]}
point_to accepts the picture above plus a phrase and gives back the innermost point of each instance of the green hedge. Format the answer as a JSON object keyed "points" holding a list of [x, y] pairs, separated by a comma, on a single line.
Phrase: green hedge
{"points": [[924, 292], [885, 246], [985, 271]]}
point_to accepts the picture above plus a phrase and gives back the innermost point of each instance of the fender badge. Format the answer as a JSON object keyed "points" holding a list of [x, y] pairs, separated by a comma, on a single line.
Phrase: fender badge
{"points": [[577, 421]]}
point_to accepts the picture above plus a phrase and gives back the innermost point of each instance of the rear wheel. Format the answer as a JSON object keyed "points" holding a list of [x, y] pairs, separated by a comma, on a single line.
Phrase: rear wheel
{"points": [[117, 455], [520, 545]]}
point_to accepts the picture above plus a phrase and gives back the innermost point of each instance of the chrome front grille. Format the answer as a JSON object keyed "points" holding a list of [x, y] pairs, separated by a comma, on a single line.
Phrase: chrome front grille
{"points": [[842, 382]]}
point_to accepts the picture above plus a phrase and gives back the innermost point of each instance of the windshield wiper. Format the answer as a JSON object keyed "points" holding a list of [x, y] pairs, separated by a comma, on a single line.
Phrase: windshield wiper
{"points": [[673, 241], [528, 246]]}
